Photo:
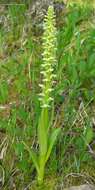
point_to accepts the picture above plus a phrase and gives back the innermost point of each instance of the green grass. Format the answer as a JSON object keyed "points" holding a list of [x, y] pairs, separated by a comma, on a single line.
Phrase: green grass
{"points": [[74, 95]]}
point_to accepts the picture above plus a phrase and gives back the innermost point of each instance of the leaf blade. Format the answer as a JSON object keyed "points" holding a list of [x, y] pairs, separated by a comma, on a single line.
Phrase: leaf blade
{"points": [[42, 132], [33, 156], [53, 138]]}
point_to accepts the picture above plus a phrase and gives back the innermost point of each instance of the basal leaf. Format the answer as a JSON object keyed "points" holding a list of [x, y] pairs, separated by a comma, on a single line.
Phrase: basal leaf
{"points": [[33, 156], [52, 140]]}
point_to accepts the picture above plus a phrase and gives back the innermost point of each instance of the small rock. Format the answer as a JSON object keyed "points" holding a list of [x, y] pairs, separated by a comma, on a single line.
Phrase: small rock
{"points": [[82, 187]]}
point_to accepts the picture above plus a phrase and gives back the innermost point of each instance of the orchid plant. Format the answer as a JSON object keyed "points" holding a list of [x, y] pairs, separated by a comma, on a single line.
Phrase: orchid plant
{"points": [[46, 139]]}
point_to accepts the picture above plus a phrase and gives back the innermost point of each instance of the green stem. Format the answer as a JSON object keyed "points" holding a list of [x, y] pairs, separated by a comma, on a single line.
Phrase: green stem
{"points": [[41, 175]]}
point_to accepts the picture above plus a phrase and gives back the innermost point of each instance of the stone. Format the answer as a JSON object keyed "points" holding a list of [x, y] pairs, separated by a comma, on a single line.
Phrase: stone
{"points": [[81, 187]]}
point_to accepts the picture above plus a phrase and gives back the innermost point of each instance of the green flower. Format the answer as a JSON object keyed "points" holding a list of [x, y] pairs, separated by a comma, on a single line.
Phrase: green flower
{"points": [[49, 58]]}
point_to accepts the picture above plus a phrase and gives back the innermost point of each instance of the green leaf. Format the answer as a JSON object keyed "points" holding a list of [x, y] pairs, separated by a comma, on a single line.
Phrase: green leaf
{"points": [[23, 165], [22, 113], [33, 156], [79, 143], [42, 132], [19, 148], [3, 92], [88, 135], [35, 160], [52, 140]]}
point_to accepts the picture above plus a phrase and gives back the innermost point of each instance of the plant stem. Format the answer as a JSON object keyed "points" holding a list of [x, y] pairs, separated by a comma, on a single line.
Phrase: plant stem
{"points": [[41, 174]]}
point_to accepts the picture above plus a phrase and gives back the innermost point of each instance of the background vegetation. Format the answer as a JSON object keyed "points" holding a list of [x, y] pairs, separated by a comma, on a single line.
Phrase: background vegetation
{"points": [[73, 160]]}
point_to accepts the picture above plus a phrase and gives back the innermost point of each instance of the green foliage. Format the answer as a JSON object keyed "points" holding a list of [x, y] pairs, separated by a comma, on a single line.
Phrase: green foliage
{"points": [[3, 92], [29, 127]]}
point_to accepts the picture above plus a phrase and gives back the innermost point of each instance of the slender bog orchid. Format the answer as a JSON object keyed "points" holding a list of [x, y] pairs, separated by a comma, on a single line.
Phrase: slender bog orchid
{"points": [[46, 138]]}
